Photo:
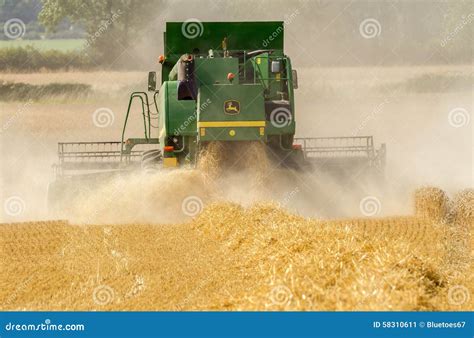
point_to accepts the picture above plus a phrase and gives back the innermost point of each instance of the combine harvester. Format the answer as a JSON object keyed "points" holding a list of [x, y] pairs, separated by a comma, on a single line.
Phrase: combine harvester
{"points": [[217, 84]]}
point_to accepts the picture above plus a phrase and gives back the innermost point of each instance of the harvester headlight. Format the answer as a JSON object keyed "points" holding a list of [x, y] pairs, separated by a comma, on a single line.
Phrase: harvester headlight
{"points": [[230, 77], [232, 132], [297, 147]]}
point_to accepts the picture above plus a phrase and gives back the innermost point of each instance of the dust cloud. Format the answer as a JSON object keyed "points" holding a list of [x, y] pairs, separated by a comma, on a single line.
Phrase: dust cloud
{"points": [[424, 147], [400, 86]]}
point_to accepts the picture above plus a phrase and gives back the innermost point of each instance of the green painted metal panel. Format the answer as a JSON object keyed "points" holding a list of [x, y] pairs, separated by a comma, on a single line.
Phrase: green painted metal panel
{"points": [[239, 134], [198, 37], [177, 116], [184, 37], [214, 90], [280, 130], [262, 68], [215, 70], [291, 95], [249, 96], [162, 111]]}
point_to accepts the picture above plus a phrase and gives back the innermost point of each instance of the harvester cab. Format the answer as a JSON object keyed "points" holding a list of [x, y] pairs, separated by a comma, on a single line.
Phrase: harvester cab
{"points": [[220, 82]]}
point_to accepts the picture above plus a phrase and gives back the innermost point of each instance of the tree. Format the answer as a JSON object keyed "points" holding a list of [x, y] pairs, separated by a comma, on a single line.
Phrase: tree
{"points": [[458, 29], [25, 10], [110, 24]]}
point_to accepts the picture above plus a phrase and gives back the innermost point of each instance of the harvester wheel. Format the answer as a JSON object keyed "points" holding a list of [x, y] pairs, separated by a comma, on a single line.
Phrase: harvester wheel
{"points": [[151, 160]]}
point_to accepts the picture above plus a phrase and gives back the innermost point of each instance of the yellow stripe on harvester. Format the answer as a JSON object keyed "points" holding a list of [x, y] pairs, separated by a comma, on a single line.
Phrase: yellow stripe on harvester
{"points": [[223, 124]]}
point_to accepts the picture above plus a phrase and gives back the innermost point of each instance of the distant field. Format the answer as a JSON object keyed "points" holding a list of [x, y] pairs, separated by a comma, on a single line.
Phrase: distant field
{"points": [[57, 44]]}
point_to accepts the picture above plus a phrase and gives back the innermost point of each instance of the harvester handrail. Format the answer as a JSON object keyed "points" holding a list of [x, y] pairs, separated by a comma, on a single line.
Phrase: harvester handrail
{"points": [[143, 96], [335, 137], [341, 147], [103, 155], [95, 153], [69, 150], [100, 142], [360, 145]]}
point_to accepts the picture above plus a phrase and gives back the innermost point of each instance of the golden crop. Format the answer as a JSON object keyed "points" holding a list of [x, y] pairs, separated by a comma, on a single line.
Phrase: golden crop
{"points": [[235, 258]]}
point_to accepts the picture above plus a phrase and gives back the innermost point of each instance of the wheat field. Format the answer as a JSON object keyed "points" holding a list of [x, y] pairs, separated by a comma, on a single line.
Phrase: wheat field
{"points": [[257, 258], [255, 255]]}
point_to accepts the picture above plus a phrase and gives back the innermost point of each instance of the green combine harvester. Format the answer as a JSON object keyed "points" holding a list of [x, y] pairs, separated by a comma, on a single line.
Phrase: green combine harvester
{"points": [[220, 82]]}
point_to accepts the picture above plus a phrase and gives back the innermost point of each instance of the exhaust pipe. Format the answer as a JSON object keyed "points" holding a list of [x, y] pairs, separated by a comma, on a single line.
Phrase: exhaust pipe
{"points": [[186, 79]]}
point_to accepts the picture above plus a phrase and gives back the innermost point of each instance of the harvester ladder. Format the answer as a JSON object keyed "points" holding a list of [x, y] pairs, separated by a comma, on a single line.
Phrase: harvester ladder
{"points": [[145, 104]]}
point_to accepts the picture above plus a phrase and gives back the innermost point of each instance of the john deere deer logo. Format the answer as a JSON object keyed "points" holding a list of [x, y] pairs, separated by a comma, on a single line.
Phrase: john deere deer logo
{"points": [[232, 107]]}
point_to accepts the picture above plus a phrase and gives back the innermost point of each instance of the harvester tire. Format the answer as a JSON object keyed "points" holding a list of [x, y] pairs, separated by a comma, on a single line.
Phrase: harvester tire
{"points": [[151, 160]]}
